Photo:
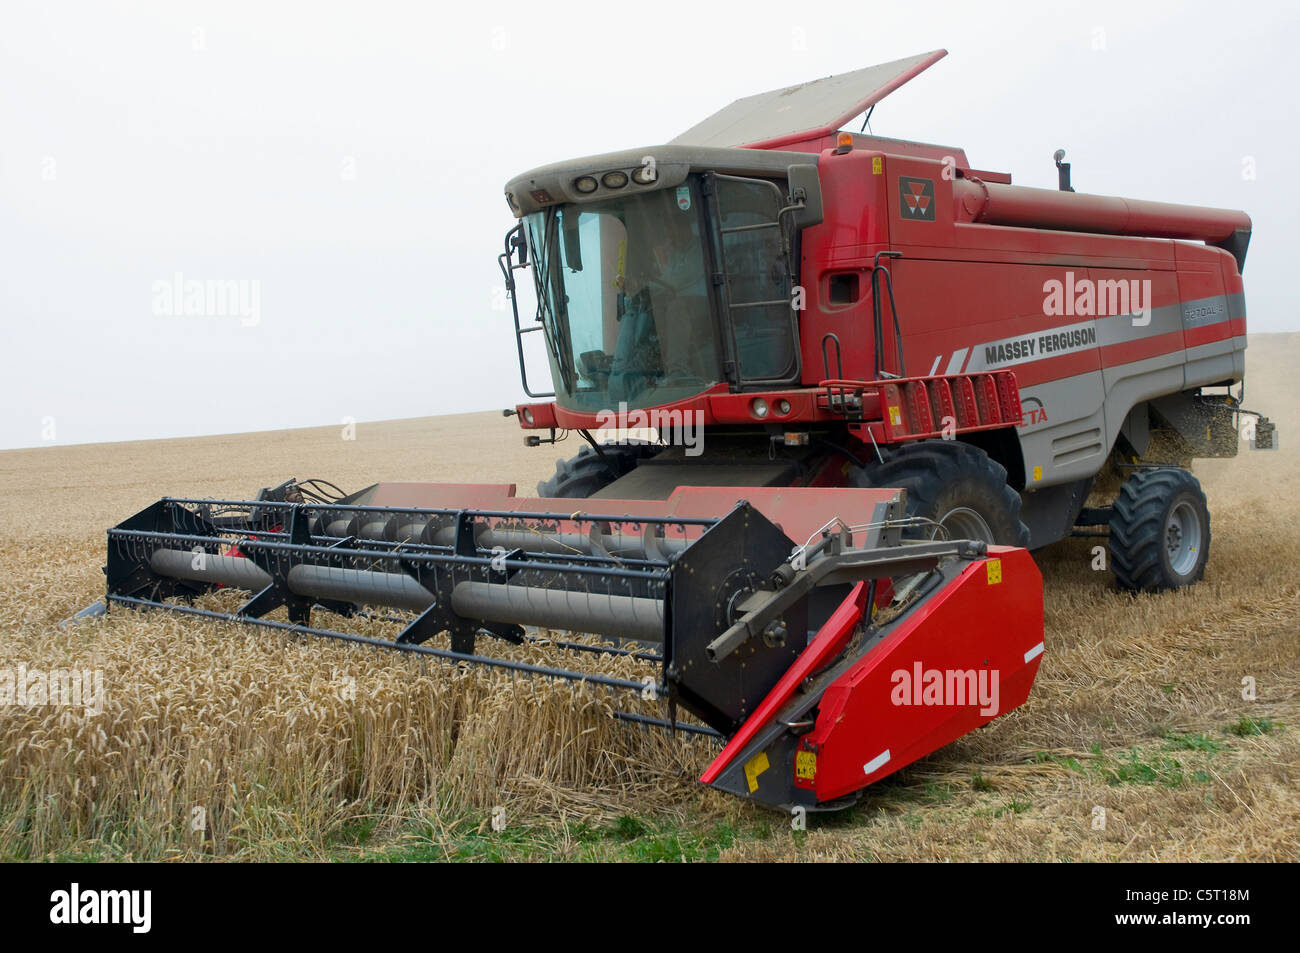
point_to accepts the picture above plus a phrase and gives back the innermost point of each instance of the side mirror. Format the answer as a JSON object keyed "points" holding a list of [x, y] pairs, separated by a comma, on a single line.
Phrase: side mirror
{"points": [[520, 248], [805, 195]]}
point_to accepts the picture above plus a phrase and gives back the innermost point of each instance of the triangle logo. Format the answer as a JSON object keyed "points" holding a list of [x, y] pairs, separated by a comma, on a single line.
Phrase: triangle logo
{"points": [[916, 199]]}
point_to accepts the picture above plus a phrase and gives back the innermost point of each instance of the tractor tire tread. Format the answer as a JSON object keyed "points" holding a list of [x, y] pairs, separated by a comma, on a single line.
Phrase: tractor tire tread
{"points": [[1137, 529], [926, 468]]}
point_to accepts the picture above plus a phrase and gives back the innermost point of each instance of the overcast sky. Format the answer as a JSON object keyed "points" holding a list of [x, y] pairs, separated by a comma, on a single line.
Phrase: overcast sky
{"points": [[349, 159]]}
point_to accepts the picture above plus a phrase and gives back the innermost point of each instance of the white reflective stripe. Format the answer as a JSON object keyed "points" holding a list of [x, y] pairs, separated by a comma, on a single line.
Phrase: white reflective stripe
{"points": [[876, 763], [958, 359], [934, 368], [1033, 653]]}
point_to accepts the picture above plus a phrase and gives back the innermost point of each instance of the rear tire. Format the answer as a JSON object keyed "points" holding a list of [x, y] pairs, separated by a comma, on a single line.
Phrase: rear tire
{"points": [[588, 473], [1159, 531], [954, 484]]}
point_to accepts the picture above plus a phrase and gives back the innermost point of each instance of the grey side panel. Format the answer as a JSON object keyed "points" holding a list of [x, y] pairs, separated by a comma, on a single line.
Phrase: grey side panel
{"points": [[1086, 413], [1215, 362], [1083, 412], [1070, 444], [1129, 384], [1075, 448], [1050, 511], [1136, 429]]}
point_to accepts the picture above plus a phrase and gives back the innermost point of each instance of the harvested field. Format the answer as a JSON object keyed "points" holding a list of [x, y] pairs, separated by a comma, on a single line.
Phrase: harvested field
{"points": [[275, 748]]}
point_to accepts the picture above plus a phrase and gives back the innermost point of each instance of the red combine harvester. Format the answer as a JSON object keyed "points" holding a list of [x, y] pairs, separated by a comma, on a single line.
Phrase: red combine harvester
{"points": [[877, 376]]}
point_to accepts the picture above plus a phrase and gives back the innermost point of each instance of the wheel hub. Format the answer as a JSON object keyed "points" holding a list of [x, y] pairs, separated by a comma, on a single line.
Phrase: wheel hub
{"points": [[962, 522], [1182, 538]]}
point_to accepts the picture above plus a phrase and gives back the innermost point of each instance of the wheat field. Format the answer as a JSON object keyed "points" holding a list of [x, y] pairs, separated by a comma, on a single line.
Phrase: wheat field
{"points": [[223, 742]]}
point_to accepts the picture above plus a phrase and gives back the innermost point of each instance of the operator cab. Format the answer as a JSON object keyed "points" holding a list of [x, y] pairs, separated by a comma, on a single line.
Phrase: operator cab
{"points": [[663, 281]]}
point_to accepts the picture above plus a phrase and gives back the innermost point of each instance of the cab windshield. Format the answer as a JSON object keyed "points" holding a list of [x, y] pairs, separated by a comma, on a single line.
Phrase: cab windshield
{"points": [[623, 294]]}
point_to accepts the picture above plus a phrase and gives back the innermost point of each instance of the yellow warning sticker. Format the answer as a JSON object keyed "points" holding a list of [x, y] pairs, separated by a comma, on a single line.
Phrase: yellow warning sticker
{"points": [[754, 767], [1038, 474], [895, 416], [993, 567], [805, 765], [877, 165]]}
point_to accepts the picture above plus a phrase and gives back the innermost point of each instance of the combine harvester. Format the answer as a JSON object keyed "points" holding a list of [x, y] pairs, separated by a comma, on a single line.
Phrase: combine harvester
{"points": [[893, 399]]}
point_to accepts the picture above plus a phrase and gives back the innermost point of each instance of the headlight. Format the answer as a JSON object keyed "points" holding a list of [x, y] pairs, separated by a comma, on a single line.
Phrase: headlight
{"points": [[586, 185], [759, 407], [783, 407]]}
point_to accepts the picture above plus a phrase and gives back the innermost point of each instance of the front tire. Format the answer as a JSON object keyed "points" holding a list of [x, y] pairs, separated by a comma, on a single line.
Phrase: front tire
{"points": [[588, 473], [1159, 531], [953, 485]]}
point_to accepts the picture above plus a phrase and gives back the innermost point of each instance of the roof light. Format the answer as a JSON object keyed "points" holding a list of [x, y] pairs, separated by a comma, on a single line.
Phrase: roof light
{"points": [[586, 184], [843, 143], [645, 175], [614, 180]]}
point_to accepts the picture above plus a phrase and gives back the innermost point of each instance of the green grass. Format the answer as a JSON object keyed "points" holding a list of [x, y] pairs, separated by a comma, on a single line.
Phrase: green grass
{"points": [[1181, 742], [1014, 806], [1136, 766], [1245, 726], [1064, 761], [1131, 767], [937, 793], [355, 831], [628, 838], [628, 827]]}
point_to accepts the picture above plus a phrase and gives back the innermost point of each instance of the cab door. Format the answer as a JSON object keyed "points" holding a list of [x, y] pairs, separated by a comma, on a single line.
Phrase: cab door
{"points": [[753, 282]]}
